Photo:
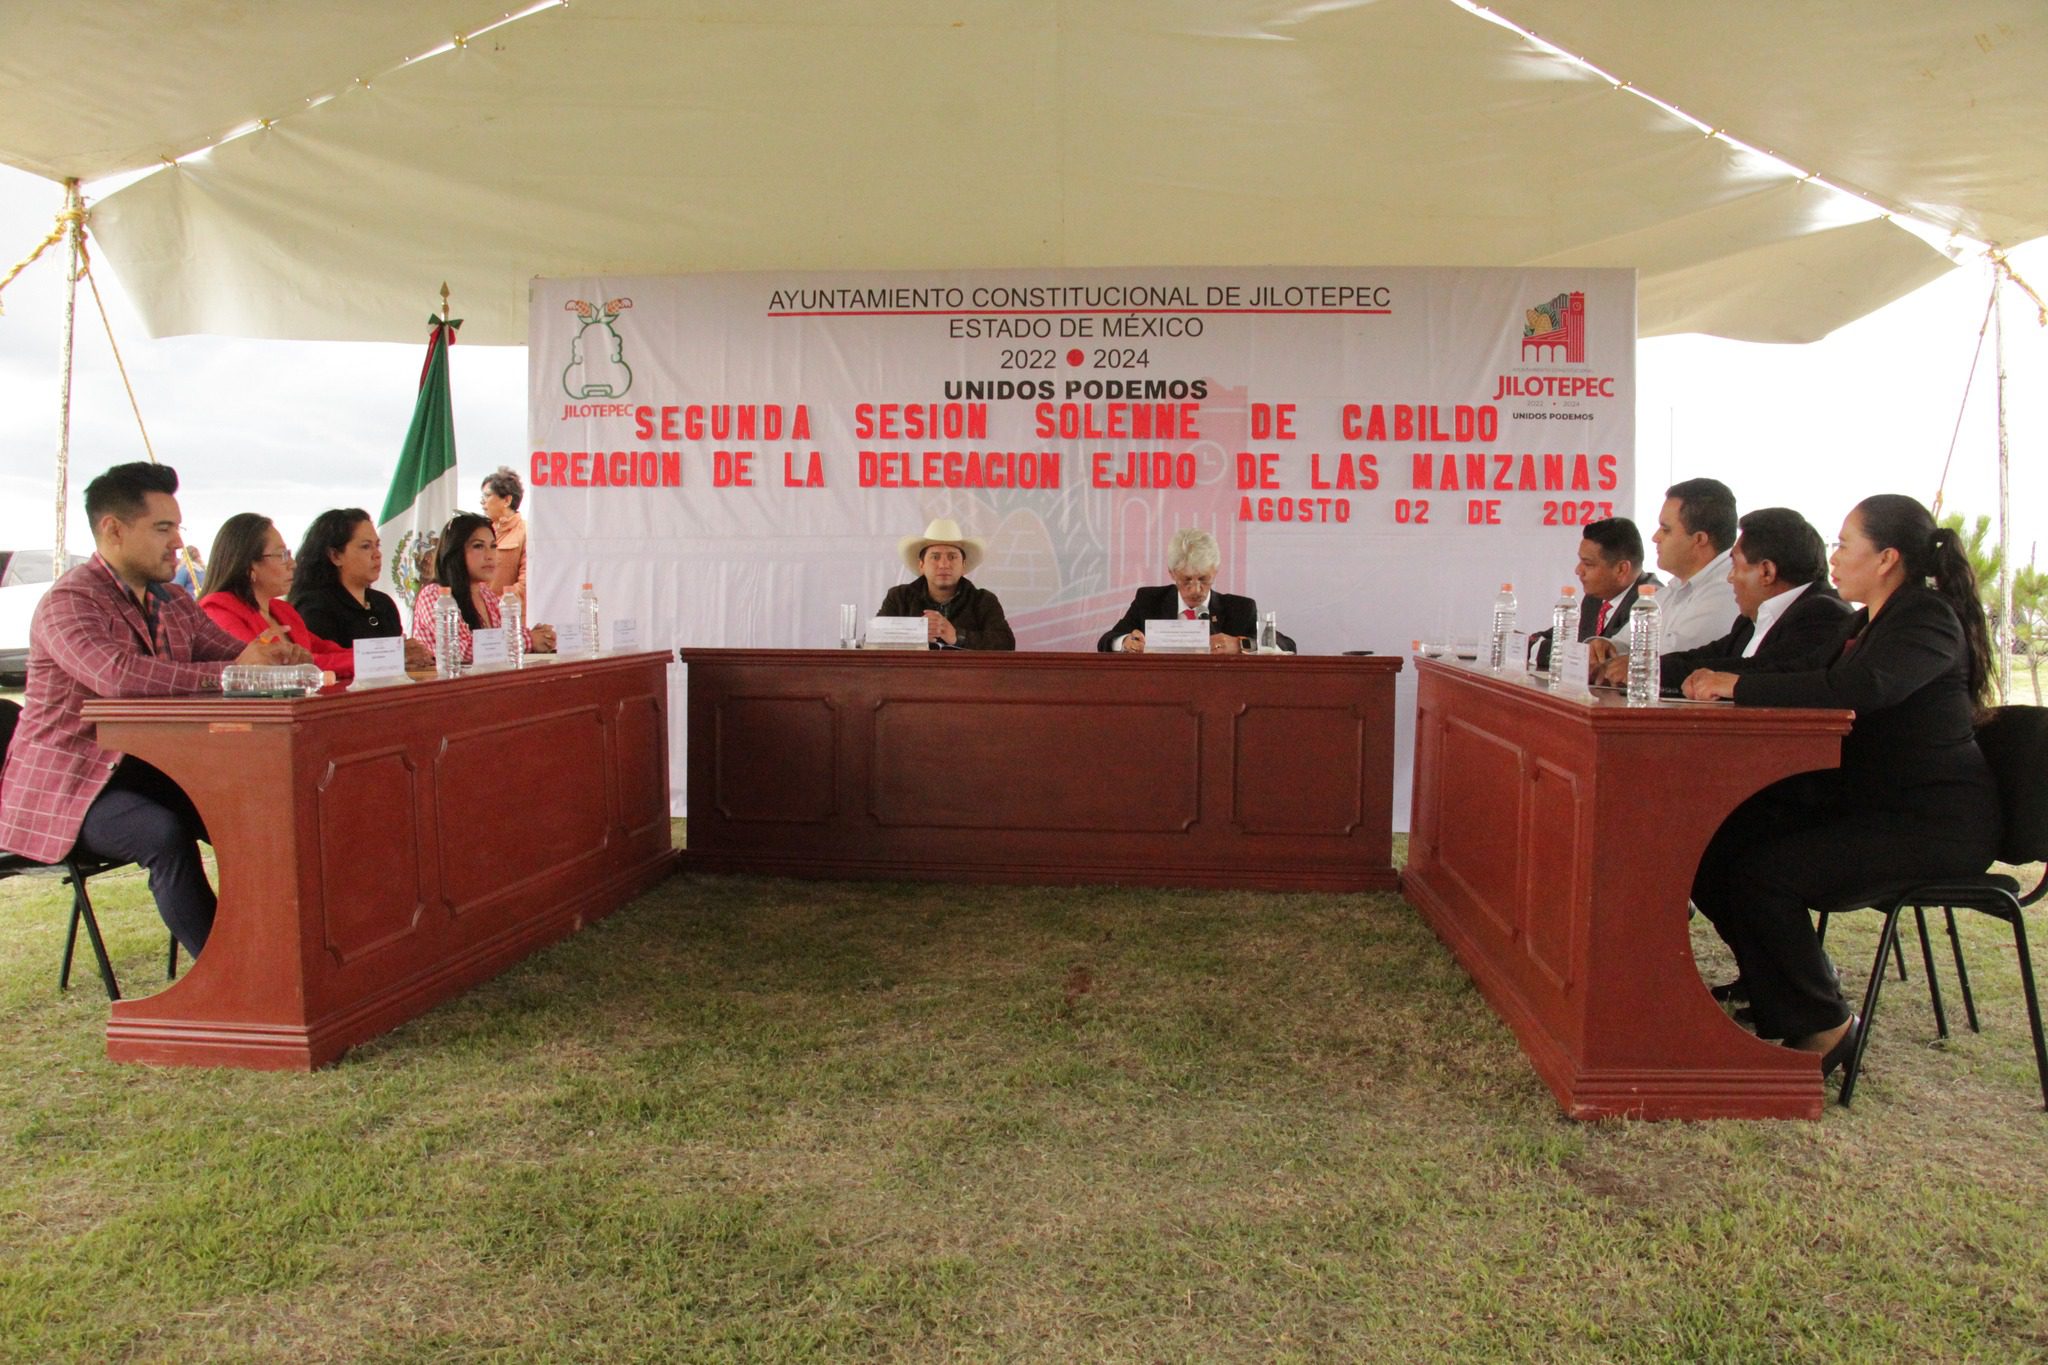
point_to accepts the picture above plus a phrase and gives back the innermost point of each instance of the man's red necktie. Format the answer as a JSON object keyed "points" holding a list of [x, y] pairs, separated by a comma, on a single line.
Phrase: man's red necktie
{"points": [[1600, 623]]}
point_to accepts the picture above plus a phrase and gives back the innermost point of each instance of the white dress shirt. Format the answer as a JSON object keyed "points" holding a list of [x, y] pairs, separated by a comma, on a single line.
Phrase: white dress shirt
{"points": [[1698, 610], [1767, 614]]}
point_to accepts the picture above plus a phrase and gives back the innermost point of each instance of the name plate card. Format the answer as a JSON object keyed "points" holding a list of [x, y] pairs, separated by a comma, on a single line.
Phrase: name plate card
{"points": [[1574, 666], [1515, 654], [625, 635], [380, 661], [1177, 635], [487, 649], [569, 642], [898, 632]]}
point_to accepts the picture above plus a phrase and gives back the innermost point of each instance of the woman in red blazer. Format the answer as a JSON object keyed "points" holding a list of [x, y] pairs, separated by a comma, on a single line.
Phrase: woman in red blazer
{"points": [[248, 573]]}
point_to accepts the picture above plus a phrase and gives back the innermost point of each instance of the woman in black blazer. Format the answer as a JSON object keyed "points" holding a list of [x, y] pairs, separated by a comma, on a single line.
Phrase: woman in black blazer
{"points": [[1913, 798]]}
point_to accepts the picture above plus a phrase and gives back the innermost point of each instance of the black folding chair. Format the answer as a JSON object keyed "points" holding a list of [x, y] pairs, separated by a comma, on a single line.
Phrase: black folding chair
{"points": [[2015, 743], [76, 870]]}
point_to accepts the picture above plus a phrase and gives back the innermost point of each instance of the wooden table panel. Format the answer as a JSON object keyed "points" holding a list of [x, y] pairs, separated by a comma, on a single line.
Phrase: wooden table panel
{"points": [[1553, 849], [1041, 767], [381, 851]]}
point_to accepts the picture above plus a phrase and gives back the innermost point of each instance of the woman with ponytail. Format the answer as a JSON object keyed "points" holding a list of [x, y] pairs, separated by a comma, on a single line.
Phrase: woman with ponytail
{"points": [[1913, 798]]}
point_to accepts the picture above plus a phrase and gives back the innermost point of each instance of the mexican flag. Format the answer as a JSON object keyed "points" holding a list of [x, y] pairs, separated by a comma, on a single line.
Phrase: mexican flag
{"points": [[422, 496]]}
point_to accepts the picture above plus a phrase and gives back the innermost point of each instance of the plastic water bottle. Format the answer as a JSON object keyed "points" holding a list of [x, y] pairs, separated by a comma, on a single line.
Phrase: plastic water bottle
{"points": [[1503, 626], [1645, 633], [447, 637], [1564, 627], [587, 613], [1269, 634], [513, 613]]}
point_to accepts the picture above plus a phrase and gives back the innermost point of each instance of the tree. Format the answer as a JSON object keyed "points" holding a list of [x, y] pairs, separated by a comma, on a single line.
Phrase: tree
{"points": [[2030, 620], [1986, 560]]}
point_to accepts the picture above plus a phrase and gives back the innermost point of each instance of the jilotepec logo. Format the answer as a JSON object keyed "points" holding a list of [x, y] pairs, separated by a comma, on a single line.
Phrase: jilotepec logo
{"points": [[1559, 325], [1548, 329], [597, 356]]}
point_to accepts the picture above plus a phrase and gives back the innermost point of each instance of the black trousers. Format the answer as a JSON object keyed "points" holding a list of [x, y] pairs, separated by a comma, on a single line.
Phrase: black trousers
{"points": [[144, 817], [1793, 846]]}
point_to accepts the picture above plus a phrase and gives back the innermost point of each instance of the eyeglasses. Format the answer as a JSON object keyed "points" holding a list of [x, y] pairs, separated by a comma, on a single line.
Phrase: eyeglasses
{"points": [[285, 555]]}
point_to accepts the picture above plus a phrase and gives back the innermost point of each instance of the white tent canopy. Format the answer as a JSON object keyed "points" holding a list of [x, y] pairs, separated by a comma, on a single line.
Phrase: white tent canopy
{"points": [[353, 167]]}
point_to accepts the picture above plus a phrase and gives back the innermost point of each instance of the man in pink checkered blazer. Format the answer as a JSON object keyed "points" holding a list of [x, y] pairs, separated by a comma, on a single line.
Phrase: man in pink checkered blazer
{"points": [[113, 628]]}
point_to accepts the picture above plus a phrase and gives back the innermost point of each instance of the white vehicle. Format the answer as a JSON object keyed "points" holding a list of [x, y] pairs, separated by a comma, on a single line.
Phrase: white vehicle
{"points": [[24, 578]]}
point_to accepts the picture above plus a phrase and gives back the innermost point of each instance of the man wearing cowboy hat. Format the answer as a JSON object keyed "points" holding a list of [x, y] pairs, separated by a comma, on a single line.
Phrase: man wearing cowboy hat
{"points": [[957, 615]]}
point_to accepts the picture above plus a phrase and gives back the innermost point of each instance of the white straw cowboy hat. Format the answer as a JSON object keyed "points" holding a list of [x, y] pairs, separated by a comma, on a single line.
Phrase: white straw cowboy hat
{"points": [[942, 531]]}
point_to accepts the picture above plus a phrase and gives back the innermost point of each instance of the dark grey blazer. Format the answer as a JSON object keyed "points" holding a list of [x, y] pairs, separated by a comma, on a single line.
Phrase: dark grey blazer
{"points": [[1589, 612], [1229, 614]]}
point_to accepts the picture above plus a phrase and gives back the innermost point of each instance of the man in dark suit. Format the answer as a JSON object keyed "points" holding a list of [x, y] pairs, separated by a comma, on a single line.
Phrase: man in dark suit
{"points": [[1192, 558], [1787, 611], [1610, 570]]}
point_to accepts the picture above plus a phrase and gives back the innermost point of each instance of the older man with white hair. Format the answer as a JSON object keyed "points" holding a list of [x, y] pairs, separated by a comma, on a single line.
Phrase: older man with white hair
{"points": [[1192, 559]]}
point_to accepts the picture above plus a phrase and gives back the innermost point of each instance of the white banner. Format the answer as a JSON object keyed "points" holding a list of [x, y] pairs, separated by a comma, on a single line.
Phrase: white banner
{"points": [[730, 457]]}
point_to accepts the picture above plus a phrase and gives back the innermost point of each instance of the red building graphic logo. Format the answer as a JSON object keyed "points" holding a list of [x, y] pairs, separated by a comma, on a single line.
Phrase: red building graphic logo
{"points": [[1559, 325]]}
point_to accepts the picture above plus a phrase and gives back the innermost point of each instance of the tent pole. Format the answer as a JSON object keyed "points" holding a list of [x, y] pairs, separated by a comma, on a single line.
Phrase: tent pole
{"points": [[74, 216], [2004, 637]]}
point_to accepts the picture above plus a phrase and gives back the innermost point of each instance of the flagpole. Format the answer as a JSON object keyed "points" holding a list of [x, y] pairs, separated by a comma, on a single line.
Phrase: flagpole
{"points": [[74, 218], [2005, 632], [422, 495]]}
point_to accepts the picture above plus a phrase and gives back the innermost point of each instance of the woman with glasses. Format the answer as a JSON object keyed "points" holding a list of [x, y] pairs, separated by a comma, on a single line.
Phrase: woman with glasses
{"points": [[249, 573], [333, 581]]}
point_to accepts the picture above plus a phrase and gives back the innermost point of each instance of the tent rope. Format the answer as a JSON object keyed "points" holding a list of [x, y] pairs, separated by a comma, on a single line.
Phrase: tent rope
{"points": [[1964, 406], [71, 223], [85, 272], [2003, 266], [186, 554], [65, 220]]}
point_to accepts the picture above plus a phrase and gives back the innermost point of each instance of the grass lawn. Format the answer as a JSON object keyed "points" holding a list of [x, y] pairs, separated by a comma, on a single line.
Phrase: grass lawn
{"points": [[768, 1120]]}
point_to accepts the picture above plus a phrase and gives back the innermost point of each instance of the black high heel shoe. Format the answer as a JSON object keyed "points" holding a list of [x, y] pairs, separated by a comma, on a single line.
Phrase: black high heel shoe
{"points": [[1844, 1048], [1738, 989]]}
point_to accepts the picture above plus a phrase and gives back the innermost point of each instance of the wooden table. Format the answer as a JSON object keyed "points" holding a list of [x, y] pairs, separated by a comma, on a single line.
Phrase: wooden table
{"points": [[1272, 772], [1553, 849], [382, 851]]}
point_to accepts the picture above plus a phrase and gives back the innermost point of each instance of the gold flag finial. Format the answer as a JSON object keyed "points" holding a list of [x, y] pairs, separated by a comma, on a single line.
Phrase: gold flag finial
{"points": [[444, 300]]}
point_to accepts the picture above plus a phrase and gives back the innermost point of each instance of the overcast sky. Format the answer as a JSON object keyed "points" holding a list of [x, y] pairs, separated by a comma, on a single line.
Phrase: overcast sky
{"points": [[291, 428]]}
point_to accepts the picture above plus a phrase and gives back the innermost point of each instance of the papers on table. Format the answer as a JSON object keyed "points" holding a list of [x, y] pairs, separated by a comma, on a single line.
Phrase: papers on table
{"points": [[898, 632], [1177, 635]]}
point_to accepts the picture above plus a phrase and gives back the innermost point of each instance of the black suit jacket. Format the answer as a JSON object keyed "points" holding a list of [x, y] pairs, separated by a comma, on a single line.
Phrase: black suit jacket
{"points": [[1913, 747], [1589, 613], [1229, 614], [976, 614], [1808, 625]]}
